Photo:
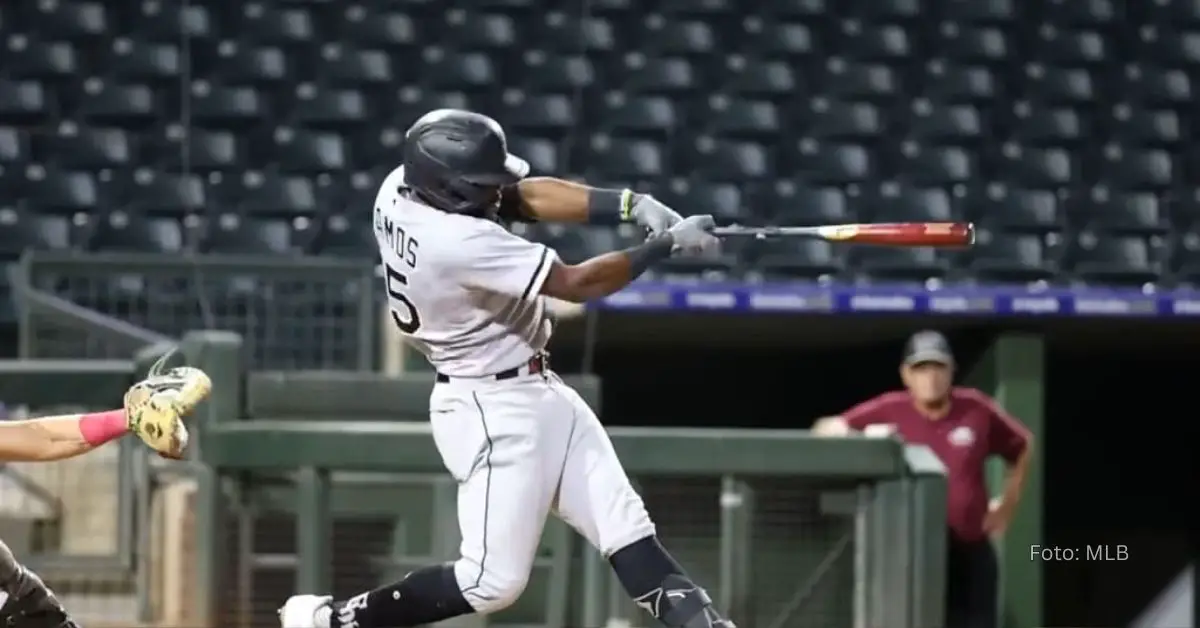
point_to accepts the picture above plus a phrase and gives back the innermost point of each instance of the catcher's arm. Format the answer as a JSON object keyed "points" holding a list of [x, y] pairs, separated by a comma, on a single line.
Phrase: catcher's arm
{"points": [[154, 410], [58, 437]]}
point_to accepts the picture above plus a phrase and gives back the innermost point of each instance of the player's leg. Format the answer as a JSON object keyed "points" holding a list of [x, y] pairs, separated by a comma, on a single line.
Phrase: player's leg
{"points": [[489, 442], [26, 601], [597, 499]]}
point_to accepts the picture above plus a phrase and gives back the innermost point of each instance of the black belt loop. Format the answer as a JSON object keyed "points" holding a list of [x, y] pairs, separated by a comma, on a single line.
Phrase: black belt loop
{"points": [[539, 363]]}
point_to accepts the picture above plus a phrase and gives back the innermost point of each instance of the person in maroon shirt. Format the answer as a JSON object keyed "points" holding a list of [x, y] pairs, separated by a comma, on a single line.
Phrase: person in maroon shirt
{"points": [[963, 427]]}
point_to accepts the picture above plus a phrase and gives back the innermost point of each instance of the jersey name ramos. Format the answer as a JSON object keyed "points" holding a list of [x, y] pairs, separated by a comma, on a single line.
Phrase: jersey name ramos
{"points": [[464, 291]]}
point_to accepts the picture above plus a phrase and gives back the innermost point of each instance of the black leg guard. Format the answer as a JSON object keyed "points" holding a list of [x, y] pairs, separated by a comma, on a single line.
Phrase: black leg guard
{"points": [[658, 584], [29, 603], [424, 596]]}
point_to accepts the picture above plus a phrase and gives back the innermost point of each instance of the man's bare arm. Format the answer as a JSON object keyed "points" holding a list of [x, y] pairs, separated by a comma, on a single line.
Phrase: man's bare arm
{"points": [[547, 199], [831, 426], [57, 437]]}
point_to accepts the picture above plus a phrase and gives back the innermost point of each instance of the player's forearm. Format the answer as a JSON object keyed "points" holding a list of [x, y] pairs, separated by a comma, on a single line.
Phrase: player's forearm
{"points": [[58, 437], [547, 199], [608, 273]]}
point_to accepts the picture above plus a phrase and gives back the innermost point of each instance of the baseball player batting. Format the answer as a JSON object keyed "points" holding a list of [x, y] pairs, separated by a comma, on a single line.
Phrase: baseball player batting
{"points": [[521, 443], [154, 410]]}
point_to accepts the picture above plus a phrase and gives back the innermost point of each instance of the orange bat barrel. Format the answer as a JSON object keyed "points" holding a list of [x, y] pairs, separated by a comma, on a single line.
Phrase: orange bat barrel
{"points": [[937, 234]]}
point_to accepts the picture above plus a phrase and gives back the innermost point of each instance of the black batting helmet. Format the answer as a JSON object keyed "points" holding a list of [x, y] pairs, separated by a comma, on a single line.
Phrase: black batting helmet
{"points": [[457, 160]]}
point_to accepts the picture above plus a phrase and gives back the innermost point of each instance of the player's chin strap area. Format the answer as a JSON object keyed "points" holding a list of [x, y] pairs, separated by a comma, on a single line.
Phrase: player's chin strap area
{"points": [[679, 603]]}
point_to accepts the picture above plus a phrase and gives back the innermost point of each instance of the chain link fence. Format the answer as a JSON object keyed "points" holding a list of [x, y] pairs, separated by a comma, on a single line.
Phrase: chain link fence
{"points": [[297, 313]]}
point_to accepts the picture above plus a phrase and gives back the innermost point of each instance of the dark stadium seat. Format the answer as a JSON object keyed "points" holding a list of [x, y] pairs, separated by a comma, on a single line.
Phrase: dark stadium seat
{"points": [[537, 114], [1058, 85], [122, 231], [935, 165], [972, 44], [14, 146], [234, 234], [566, 33], [945, 123], [637, 115], [779, 38], [959, 83], [1010, 258], [759, 77], [290, 26], [472, 30], [735, 118], [354, 67], [722, 200], [1012, 209], [329, 108], [620, 157], [61, 192], [382, 27], [24, 102], [886, 43], [200, 150], [792, 258], [152, 193], [90, 148], [726, 160], [345, 237], [832, 120], [878, 263], [72, 20], [22, 230], [787, 203], [308, 152], [171, 22], [659, 75], [272, 195], [1185, 258], [833, 163], [25, 58], [245, 64], [1035, 167], [1136, 126], [220, 106], [672, 36], [126, 105], [843, 80], [1046, 126], [136, 61], [556, 73], [452, 70], [1116, 211], [892, 202], [1115, 259]]}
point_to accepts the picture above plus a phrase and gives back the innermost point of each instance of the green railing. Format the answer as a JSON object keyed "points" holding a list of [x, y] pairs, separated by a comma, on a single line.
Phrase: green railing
{"points": [[785, 529], [294, 312]]}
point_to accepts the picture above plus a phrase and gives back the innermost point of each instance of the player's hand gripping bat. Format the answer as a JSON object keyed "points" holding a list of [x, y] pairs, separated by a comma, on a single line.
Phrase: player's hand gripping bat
{"points": [[935, 234]]}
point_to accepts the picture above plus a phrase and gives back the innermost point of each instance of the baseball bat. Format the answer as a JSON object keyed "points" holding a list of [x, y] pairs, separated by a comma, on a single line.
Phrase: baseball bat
{"points": [[937, 234]]}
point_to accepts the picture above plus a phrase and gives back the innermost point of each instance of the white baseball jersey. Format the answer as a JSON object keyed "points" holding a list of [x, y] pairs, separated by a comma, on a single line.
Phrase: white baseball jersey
{"points": [[465, 291]]}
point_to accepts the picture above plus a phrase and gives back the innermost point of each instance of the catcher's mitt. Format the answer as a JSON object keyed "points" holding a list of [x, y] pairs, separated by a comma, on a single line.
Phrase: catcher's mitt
{"points": [[155, 407]]}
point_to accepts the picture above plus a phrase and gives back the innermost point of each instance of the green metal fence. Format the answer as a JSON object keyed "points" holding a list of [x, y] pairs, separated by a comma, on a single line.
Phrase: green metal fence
{"points": [[305, 489], [294, 312]]}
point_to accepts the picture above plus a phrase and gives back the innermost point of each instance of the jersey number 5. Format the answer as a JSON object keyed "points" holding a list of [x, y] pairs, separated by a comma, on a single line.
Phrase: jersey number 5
{"points": [[408, 321]]}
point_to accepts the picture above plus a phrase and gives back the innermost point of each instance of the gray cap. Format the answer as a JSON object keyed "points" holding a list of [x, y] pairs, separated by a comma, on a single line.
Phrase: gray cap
{"points": [[928, 346]]}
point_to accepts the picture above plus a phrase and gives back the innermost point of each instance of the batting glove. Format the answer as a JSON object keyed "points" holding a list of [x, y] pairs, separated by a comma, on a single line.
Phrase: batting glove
{"points": [[652, 214]]}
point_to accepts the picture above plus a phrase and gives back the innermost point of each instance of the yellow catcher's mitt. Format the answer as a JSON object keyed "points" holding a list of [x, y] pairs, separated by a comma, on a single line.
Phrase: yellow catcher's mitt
{"points": [[155, 407]]}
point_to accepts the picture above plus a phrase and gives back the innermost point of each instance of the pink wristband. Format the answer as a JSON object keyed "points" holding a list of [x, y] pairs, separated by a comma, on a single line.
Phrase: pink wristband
{"points": [[98, 428]]}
